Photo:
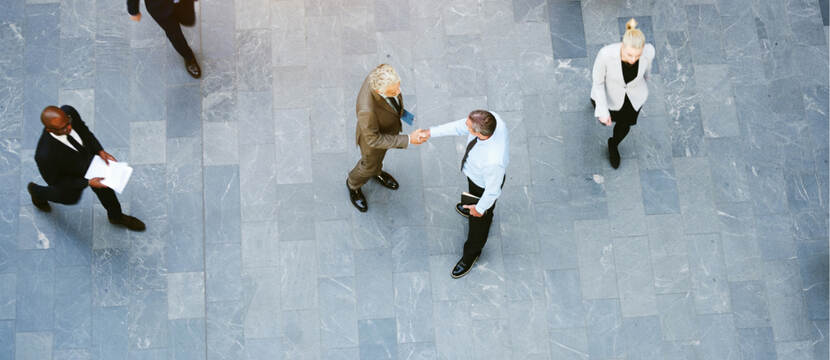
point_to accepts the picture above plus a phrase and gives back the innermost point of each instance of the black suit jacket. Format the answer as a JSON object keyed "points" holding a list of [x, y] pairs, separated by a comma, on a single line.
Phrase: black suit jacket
{"points": [[157, 8], [61, 166]]}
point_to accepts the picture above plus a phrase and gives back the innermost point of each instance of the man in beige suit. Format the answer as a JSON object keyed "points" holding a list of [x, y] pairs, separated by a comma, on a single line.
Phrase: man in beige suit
{"points": [[379, 111]]}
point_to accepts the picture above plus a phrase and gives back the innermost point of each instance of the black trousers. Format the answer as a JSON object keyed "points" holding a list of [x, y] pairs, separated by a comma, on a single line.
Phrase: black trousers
{"points": [[105, 195], [479, 226], [623, 119], [171, 24]]}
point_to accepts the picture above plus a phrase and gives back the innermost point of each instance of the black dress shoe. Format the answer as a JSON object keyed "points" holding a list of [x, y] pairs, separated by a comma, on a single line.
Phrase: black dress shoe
{"points": [[462, 268], [613, 154], [461, 210], [387, 180], [129, 222], [358, 200], [193, 68], [39, 203]]}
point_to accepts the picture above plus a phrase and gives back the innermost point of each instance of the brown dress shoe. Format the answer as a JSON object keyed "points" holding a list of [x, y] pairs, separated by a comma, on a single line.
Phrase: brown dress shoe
{"points": [[129, 222], [39, 203]]}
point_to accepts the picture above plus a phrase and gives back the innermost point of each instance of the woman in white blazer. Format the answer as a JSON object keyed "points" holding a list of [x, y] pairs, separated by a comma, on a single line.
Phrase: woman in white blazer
{"points": [[620, 87]]}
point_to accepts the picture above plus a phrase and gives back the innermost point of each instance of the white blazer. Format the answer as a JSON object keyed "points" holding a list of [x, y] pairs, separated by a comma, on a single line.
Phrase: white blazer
{"points": [[609, 88]]}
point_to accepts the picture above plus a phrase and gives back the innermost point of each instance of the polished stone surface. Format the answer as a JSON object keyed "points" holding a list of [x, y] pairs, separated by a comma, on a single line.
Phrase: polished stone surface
{"points": [[709, 242]]}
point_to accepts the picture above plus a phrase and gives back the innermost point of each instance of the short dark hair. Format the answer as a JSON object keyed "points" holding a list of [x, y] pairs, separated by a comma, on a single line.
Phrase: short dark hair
{"points": [[483, 121]]}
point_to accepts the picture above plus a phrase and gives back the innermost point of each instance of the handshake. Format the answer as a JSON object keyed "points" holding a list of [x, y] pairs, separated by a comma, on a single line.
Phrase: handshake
{"points": [[419, 136]]}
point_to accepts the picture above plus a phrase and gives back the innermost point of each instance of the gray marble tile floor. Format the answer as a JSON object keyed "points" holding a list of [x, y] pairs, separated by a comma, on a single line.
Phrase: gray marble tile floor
{"points": [[710, 242]]}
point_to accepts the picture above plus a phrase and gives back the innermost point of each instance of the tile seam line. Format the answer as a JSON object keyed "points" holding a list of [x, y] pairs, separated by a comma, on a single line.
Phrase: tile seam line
{"points": [[204, 206]]}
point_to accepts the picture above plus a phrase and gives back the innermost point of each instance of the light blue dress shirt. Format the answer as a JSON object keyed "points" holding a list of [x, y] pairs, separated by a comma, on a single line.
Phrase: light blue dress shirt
{"points": [[487, 162]]}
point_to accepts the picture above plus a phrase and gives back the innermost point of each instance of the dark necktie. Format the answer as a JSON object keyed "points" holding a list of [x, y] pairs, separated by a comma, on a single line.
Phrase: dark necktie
{"points": [[395, 104], [76, 144], [467, 153]]}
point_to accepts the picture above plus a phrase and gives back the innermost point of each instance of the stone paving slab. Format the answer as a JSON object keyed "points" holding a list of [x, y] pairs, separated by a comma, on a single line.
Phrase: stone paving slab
{"points": [[709, 242]]}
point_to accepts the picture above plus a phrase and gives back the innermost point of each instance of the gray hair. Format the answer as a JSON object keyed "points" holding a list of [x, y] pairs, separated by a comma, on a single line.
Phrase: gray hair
{"points": [[382, 77], [483, 122]]}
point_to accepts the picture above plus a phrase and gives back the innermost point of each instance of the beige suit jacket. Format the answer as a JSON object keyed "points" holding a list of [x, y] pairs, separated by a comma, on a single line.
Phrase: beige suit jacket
{"points": [[609, 88], [378, 123]]}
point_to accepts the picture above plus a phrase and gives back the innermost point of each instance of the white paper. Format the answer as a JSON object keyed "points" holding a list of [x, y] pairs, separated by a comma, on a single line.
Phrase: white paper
{"points": [[116, 174]]}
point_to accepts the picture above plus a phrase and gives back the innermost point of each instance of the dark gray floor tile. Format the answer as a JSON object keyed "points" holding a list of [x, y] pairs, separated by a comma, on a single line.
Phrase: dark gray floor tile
{"points": [[641, 337], [413, 307], [253, 68], [223, 272], [565, 308], [775, 238], [417, 351], [261, 291], [812, 259], [377, 339], [718, 339], [711, 290], [73, 296], [33, 345], [182, 110], [677, 317], [569, 344], [528, 336], [787, 309], [147, 320], [740, 244], [749, 304], [110, 278], [704, 33], [301, 334], [110, 337], [224, 330], [186, 221], [756, 343], [604, 328], [659, 191], [298, 287], [338, 313], [634, 276], [566, 29], [222, 204]]}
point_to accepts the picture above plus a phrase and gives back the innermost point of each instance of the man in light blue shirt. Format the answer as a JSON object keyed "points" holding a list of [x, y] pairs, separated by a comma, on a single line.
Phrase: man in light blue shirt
{"points": [[484, 163]]}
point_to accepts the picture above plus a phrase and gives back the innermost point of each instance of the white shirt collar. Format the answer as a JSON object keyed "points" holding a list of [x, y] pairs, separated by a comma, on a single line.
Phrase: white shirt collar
{"points": [[65, 141]]}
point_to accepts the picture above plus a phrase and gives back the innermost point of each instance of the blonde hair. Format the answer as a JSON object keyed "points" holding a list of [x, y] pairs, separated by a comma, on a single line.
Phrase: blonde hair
{"points": [[633, 37], [382, 77]]}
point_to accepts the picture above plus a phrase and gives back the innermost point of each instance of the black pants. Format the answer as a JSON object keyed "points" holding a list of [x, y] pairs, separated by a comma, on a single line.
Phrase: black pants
{"points": [[105, 195], [479, 226], [623, 119], [171, 25]]}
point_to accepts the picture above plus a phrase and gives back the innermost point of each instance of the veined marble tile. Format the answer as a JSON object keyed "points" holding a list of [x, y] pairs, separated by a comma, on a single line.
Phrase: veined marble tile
{"points": [[147, 319], [33, 345], [299, 264], [35, 290], [224, 330], [187, 339], [261, 293], [338, 312], [186, 295], [73, 300], [223, 272], [301, 334], [109, 332]]}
